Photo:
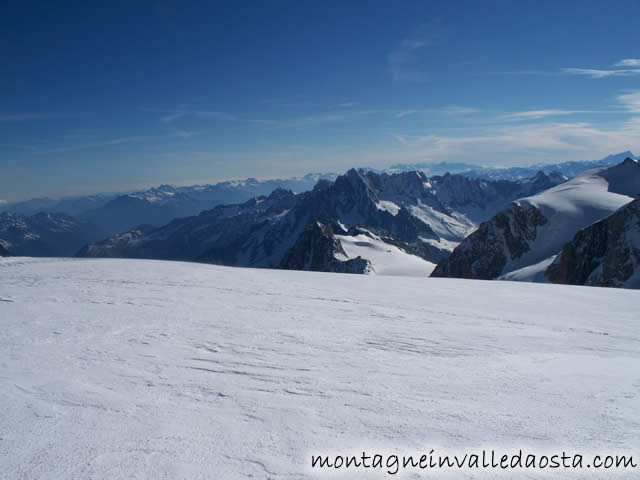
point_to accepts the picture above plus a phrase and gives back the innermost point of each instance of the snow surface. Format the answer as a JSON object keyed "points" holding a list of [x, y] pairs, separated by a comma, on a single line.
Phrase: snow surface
{"points": [[388, 206], [530, 273], [386, 259], [166, 370]]}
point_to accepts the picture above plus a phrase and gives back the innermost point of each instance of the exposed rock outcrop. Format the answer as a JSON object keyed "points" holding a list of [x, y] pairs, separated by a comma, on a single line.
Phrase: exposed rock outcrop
{"points": [[316, 250], [605, 254]]}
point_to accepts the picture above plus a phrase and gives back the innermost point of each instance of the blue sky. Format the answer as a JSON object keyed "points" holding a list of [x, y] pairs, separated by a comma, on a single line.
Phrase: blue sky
{"points": [[112, 97]]}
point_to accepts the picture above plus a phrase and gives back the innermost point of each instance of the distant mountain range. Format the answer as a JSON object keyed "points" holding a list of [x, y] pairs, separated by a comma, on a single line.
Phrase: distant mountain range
{"points": [[157, 206], [115, 213], [408, 212], [567, 169], [45, 234], [522, 242]]}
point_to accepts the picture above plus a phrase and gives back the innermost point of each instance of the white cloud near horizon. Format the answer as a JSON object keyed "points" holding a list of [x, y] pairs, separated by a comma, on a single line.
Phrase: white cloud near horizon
{"points": [[549, 142], [628, 62]]}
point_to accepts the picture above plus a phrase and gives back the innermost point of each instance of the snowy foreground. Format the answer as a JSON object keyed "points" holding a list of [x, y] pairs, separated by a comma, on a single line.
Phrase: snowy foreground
{"points": [[145, 369]]}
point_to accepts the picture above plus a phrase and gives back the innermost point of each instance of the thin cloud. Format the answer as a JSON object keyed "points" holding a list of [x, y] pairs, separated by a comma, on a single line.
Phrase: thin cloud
{"points": [[630, 101], [21, 117], [320, 118], [106, 143], [170, 117], [628, 62], [536, 114], [453, 110], [530, 140], [630, 66], [300, 122], [347, 104], [450, 110], [597, 73], [403, 62], [186, 134]]}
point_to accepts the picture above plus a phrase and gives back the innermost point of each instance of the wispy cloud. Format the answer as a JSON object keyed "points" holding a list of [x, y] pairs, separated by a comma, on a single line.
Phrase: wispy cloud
{"points": [[402, 68], [630, 101], [18, 146], [404, 63], [186, 134], [529, 141], [450, 110], [302, 121], [623, 68], [171, 117], [105, 143], [294, 101], [175, 115], [631, 67], [21, 117], [597, 73], [536, 114], [628, 62]]}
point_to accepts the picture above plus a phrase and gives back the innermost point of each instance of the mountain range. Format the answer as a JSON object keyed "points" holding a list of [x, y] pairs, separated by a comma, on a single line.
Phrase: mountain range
{"points": [[542, 228], [404, 214], [116, 213]]}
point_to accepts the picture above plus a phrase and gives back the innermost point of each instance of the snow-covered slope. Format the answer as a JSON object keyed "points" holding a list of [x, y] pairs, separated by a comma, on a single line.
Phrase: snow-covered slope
{"points": [[385, 258], [573, 205], [132, 369], [533, 229]]}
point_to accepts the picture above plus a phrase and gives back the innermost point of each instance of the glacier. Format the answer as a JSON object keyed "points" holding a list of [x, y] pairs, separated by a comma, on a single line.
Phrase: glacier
{"points": [[115, 368]]}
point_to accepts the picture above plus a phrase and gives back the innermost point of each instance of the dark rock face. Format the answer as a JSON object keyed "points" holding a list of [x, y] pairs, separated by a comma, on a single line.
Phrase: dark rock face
{"points": [[315, 251], [46, 234], [483, 254], [3, 251], [605, 254]]}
